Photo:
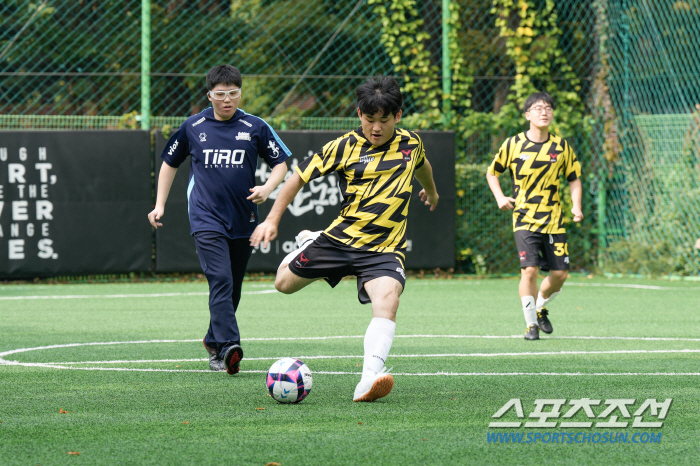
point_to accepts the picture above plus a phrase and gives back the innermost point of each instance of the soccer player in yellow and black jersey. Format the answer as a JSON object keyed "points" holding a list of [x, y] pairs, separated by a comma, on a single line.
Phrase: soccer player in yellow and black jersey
{"points": [[376, 164], [536, 159]]}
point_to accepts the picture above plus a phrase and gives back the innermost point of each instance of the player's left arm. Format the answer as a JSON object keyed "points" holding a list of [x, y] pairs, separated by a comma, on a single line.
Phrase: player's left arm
{"points": [[576, 196], [261, 193], [428, 194], [273, 151], [573, 176]]}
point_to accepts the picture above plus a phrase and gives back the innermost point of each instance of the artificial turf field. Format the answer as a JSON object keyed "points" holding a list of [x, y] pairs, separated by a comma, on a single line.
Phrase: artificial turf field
{"points": [[459, 356]]}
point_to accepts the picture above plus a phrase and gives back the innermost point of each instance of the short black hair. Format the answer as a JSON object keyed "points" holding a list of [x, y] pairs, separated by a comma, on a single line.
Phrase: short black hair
{"points": [[538, 97], [223, 74], [379, 94]]}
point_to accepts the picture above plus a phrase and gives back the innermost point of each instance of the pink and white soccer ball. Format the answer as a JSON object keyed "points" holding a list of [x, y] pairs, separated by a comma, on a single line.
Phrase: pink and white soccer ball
{"points": [[289, 380]]}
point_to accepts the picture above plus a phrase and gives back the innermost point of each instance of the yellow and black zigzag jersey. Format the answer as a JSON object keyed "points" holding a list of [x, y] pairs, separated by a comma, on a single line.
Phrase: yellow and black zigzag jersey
{"points": [[375, 183], [535, 168]]}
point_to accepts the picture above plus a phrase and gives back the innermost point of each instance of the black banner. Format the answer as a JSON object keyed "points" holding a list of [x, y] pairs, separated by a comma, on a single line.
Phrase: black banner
{"points": [[74, 202], [431, 235]]}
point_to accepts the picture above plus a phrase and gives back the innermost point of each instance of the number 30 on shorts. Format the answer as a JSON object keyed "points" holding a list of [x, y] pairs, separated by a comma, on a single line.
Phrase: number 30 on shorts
{"points": [[561, 249]]}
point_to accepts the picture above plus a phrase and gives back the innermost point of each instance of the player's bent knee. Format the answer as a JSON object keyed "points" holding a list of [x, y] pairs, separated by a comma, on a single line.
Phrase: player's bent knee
{"points": [[287, 282], [388, 302], [282, 284]]}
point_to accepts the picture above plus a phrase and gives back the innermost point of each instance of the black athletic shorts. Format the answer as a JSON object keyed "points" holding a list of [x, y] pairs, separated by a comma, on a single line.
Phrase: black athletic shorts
{"points": [[548, 252], [332, 260]]}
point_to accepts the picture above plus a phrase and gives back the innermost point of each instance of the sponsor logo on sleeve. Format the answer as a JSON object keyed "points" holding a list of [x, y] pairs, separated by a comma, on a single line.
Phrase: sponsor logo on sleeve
{"points": [[173, 147], [274, 148], [246, 123], [198, 122]]}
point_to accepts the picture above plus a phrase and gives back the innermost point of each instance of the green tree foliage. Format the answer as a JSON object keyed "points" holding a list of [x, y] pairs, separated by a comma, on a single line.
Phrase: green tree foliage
{"points": [[84, 57], [518, 45], [51, 43]]}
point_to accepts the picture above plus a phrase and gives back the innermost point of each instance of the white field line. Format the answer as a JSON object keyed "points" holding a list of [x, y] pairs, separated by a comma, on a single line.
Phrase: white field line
{"points": [[71, 365], [447, 355], [413, 283], [98, 343], [433, 283], [640, 287], [548, 337], [137, 342], [412, 374], [544, 373], [114, 296]]}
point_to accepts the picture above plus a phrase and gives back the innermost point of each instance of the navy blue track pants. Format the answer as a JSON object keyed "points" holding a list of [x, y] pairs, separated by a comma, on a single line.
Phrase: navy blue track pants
{"points": [[224, 262]]}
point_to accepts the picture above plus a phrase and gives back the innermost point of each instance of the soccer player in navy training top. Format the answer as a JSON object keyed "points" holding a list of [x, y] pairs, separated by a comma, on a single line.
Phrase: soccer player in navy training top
{"points": [[536, 159], [224, 144], [376, 163]]}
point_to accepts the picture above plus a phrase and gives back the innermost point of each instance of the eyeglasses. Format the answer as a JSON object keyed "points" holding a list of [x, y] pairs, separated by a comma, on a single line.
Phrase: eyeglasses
{"points": [[541, 110], [221, 95]]}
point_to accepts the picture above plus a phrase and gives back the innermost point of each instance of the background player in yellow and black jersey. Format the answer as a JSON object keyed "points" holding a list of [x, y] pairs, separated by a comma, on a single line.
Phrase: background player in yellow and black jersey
{"points": [[376, 164], [536, 160]]}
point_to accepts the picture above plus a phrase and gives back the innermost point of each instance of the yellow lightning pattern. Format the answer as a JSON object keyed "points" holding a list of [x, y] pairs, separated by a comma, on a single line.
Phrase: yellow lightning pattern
{"points": [[384, 183]]}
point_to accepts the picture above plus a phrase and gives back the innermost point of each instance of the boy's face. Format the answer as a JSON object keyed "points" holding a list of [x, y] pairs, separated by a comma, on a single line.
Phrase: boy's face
{"points": [[226, 107], [540, 114], [378, 128]]}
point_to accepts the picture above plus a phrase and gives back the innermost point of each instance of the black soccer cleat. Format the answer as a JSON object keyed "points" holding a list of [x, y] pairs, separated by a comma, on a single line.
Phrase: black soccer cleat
{"points": [[543, 322], [232, 359], [215, 362], [532, 333]]}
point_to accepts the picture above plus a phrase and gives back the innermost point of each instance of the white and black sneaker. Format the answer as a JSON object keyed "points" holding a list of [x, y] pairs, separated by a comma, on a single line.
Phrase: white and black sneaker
{"points": [[303, 239], [215, 362], [306, 237]]}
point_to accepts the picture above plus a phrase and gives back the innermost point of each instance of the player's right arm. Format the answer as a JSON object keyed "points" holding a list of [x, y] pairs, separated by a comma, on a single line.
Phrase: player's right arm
{"points": [[309, 169], [165, 182], [498, 166], [267, 230], [504, 202], [174, 153]]}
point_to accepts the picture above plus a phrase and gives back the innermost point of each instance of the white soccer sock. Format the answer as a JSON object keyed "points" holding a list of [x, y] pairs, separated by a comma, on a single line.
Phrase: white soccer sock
{"points": [[378, 340], [529, 310], [542, 302]]}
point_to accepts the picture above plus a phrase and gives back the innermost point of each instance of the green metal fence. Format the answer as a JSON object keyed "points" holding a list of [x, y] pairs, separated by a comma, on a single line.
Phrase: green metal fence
{"points": [[624, 74], [653, 206]]}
